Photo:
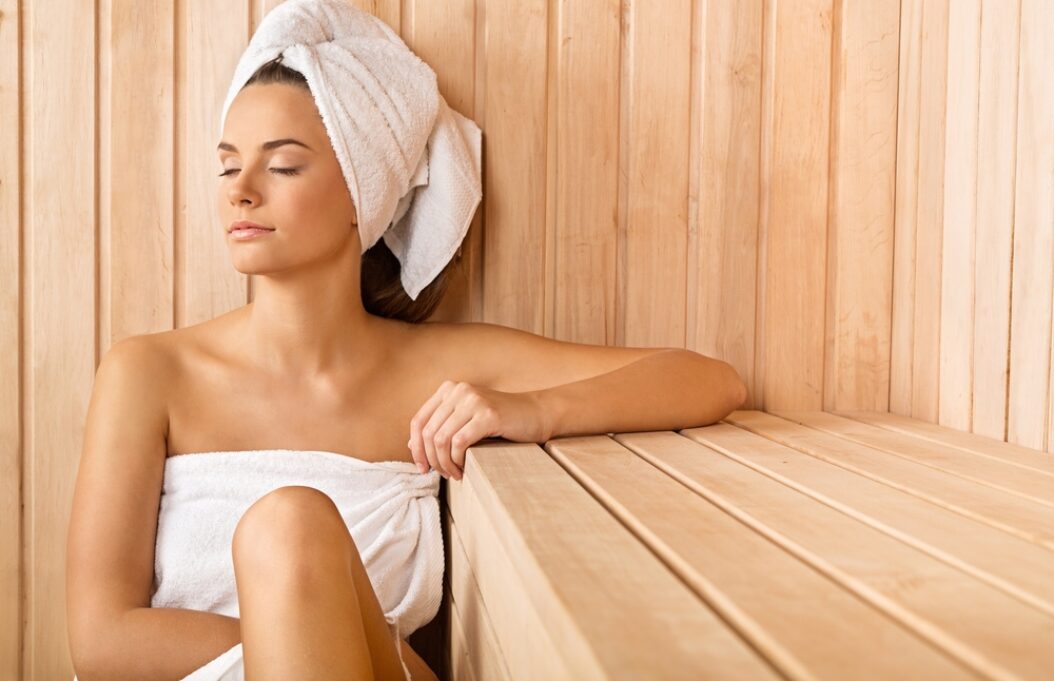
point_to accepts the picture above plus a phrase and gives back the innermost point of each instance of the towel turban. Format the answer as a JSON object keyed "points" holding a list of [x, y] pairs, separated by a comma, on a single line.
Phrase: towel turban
{"points": [[411, 163]]}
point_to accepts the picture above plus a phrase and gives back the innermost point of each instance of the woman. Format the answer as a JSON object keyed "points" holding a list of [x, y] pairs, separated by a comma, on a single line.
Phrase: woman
{"points": [[330, 358]]}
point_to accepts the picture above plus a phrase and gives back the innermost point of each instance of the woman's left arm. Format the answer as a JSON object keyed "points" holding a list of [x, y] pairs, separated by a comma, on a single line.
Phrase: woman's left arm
{"points": [[664, 390], [667, 390]]}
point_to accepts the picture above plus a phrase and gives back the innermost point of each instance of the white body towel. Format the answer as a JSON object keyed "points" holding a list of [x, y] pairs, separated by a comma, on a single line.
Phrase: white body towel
{"points": [[391, 510]]}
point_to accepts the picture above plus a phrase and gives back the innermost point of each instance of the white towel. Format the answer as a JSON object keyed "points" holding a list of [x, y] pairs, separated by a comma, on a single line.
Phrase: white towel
{"points": [[390, 508], [411, 163]]}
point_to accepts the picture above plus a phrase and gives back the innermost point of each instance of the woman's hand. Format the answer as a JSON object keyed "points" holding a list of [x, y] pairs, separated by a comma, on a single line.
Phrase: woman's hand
{"points": [[460, 414]]}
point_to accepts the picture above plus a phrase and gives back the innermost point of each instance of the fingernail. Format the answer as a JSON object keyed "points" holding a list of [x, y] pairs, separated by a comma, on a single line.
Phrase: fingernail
{"points": [[421, 467]]}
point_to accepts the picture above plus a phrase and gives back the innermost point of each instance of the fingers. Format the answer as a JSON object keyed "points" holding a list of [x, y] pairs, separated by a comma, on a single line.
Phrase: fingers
{"points": [[444, 427], [423, 415], [438, 433]]}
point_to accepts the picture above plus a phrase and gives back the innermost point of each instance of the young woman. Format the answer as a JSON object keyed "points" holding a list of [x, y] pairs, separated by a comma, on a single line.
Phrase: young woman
{"points": [[330, 357]]}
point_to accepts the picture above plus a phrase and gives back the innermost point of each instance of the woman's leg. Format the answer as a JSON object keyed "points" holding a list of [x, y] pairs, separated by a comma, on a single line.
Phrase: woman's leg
{"points": [[308, 610]]}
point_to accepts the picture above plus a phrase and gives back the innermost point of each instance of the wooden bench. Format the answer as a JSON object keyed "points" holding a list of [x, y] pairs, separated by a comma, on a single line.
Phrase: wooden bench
{"points": [[771, 545]]}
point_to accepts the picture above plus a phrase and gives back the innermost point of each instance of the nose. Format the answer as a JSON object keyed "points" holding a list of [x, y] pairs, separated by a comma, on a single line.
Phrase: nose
{"points": [[241, 191]]}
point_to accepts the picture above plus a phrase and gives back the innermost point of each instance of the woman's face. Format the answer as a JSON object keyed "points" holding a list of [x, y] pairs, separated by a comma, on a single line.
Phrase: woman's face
{"points": [[299, 191]]}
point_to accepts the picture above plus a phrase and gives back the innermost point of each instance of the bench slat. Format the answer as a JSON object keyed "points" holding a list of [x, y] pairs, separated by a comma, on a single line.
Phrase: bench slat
{"points": [[968, 442], [461, 649], [524, 637], [1012, 513], [983, 627], [987, 470], [610, 607], [1017, 566], [790, 612], [484, 653]]}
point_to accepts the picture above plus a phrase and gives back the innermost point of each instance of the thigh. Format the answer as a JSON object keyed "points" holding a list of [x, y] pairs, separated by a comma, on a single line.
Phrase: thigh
{"points": [[419, 669], [304, 520]]}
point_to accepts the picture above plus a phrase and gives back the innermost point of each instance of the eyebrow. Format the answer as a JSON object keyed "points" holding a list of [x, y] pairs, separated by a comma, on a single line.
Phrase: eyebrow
{"points": [[266, 146]]}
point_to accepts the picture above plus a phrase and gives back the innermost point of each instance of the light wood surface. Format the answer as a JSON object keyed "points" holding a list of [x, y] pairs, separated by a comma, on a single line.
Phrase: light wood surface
{"points": [[848, 202], [822, 546]]}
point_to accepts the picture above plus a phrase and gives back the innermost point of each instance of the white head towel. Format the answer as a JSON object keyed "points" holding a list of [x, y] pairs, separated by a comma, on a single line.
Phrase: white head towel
{"points": [[412, 164]]}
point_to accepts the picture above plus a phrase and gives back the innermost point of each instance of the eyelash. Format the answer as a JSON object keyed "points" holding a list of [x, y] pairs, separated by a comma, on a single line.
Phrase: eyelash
{"points": [[283, 171]]}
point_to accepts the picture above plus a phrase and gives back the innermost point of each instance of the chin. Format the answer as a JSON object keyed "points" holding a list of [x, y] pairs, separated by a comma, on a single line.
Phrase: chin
{"points": [[247, 266]]}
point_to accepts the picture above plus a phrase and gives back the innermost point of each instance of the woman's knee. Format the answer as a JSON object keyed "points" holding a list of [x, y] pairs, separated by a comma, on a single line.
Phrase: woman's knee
{"points": [[295, 522]]}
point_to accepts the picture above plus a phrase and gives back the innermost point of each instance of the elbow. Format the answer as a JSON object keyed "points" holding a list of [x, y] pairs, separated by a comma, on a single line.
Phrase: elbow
{"points": [[89, 647], [737, 393]]}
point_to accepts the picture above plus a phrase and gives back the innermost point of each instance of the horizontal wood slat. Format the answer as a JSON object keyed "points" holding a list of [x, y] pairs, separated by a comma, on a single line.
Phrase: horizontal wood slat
{"points": [[546, 553], [792, 613], [1011, 513], [807, 545]]}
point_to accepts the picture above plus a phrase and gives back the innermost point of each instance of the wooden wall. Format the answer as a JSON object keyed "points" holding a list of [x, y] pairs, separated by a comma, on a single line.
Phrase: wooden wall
{"points": [[849, 200]]}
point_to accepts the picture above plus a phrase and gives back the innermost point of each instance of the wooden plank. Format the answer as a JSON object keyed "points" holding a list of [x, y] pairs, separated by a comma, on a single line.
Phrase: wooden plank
{"points": [[14, 331], [611, 608], [766, 593], [483, 653], [460, 663], [725, 185], [981, 469], [996, 148], [582, 173], [655, 96], [1017, 566], [959, 215], [994, 634], [929, 227], [1011, 513], [1035, 461], [524, 635], [1033, 274], [137, 229], [59, 304], [860, 235], [909, 107], [513, 84], [794, 165]]}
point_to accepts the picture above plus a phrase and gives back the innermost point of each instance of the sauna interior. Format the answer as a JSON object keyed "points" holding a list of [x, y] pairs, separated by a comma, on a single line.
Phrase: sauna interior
{"points": [[849, 201]]}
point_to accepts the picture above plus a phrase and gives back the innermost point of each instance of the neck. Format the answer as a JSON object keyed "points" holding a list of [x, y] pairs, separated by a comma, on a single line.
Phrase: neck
{"points": [[312, 325]]}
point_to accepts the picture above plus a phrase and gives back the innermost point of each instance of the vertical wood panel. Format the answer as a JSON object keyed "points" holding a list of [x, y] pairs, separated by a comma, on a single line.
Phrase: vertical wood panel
{"points": [[12, 333], [715, 175], [59, 305], [794, 223], [582, 205], [996, 157], [909, 110], [514, 85], [724, 187], [1030, 315], [959, 215], [653, 197], [863, 177], [139, 182], [929, 218]]}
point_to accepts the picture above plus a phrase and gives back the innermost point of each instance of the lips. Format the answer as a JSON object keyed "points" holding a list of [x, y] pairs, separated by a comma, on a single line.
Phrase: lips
{"points": [[246, 224]]}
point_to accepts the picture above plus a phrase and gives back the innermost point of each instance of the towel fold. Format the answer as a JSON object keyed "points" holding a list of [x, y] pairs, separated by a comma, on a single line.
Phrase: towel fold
{"points": [[390, 508], [412, 164]]}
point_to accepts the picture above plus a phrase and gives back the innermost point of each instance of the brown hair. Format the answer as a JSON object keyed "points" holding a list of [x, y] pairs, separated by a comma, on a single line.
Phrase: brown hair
{"points": [[383, 294]]}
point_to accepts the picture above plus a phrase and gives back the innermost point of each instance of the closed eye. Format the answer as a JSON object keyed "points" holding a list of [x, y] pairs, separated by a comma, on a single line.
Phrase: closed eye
{"points": [[283, 171]]}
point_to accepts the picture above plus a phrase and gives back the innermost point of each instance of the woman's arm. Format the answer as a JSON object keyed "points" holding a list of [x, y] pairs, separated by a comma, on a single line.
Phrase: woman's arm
{"points": [[667, 390], [160, 644], [113, 632]]}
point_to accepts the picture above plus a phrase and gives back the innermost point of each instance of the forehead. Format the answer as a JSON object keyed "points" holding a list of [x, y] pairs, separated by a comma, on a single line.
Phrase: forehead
{"points": [[264, 112]]}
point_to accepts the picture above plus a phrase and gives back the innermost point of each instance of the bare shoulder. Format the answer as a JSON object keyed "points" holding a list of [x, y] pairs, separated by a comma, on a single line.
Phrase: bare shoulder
{"points": [[513, 360]]}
